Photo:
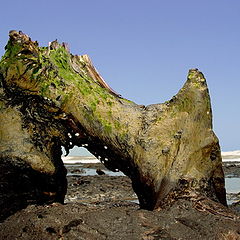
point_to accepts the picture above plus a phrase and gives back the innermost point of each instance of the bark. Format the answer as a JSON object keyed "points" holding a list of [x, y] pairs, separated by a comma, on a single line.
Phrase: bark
{"points": [[30, 152], [168, 150]]}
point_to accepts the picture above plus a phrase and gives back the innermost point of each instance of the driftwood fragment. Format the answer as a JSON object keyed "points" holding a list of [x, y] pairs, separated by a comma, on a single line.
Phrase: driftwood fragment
{"points": [[168, 150]]}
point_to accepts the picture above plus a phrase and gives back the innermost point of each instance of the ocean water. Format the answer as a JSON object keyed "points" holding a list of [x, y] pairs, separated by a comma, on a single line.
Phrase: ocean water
{"points": [[232, 185], [92, 172]]}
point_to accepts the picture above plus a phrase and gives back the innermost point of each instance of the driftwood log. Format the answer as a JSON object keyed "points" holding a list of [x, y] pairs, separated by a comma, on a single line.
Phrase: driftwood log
{"points": [[51, 98]]}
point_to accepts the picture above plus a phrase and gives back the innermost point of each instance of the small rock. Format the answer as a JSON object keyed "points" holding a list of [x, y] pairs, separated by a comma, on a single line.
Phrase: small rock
{"points": [[100, 172]]}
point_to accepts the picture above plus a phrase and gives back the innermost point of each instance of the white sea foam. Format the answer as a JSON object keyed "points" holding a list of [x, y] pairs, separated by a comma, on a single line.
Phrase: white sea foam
{"points": [[231, 160], [231, 156], [80, 159], [237, 152]]}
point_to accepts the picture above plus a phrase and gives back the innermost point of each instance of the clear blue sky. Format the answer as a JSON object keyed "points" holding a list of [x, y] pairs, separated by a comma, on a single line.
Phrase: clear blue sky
{"points": [[144, 49]]}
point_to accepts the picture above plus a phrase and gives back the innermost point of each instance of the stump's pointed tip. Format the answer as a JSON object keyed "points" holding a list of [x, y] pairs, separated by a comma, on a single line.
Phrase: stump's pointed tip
{"points": [[193, 70], [195, 75]]}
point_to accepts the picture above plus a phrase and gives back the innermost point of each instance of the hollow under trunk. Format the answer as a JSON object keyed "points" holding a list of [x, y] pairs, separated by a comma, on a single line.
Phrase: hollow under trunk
{"points": [[50, 98]]}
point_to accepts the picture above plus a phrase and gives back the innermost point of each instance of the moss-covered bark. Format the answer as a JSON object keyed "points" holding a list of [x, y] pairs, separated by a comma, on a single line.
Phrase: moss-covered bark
{"points": [[168, 150]]}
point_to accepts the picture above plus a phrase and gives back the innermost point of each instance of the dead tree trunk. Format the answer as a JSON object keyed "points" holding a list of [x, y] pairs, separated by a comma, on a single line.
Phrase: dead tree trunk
{"points": [[31, 169], [168, 150]]}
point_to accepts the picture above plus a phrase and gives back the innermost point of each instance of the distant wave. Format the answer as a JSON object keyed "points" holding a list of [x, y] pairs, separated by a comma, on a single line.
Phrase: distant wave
{"points": [[80, 159], [231, 156], [231, 153]]}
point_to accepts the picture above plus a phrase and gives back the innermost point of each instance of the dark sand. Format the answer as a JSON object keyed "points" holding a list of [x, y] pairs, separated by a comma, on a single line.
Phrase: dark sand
{"points": [[103, 207]]}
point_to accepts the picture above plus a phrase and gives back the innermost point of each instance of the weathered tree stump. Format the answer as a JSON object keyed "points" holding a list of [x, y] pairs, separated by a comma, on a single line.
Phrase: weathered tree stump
{"points": [[30, 153], [51, 98]]}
